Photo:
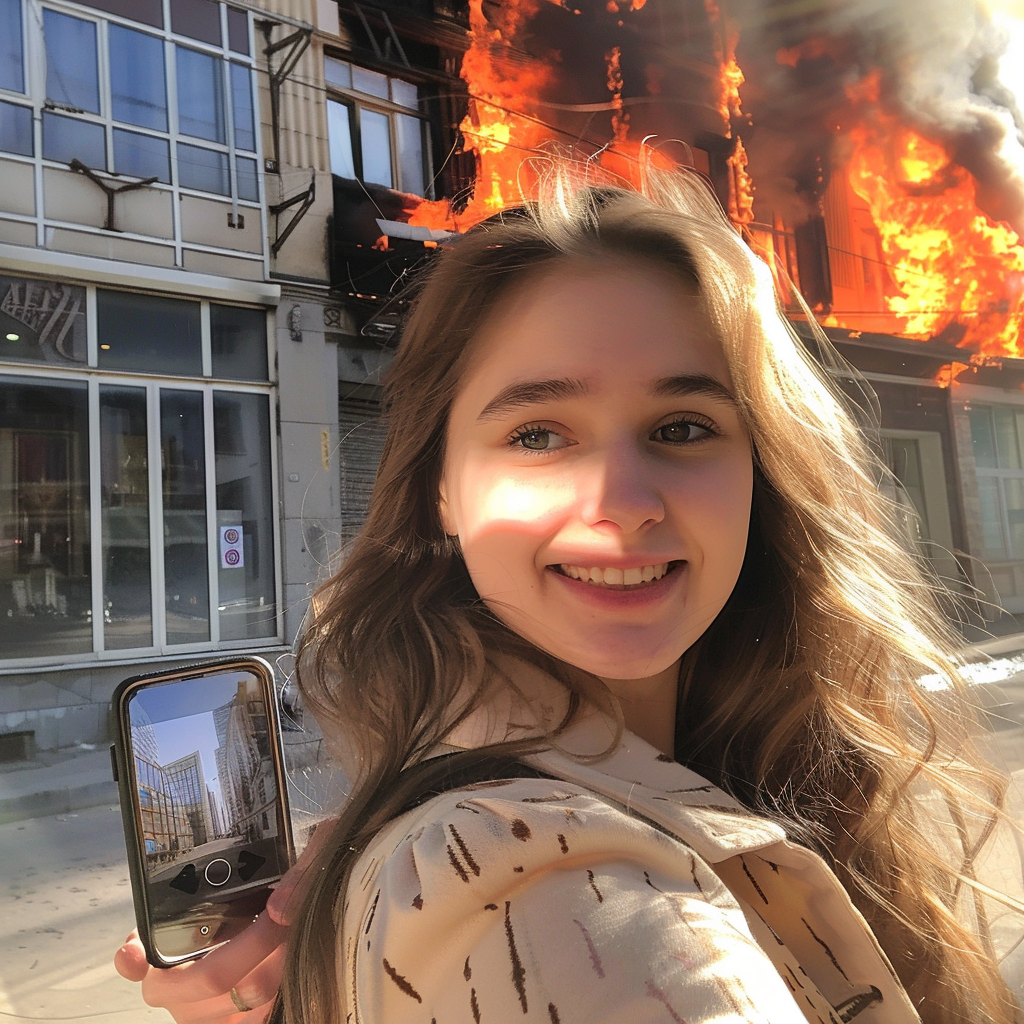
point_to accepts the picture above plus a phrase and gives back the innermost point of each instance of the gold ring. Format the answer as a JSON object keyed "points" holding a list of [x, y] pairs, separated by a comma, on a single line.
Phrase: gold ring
{"points": [[240, 1005]]}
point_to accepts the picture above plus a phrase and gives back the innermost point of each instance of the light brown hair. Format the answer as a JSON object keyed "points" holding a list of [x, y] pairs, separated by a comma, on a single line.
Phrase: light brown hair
{"points": [[801, 698]]}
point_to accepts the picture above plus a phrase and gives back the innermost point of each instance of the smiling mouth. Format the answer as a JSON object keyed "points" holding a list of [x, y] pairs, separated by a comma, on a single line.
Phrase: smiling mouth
{"points": [[617, 578]]}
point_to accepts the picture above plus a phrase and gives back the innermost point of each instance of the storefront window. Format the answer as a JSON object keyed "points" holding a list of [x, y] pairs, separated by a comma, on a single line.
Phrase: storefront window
{"points": [[42, 322], [45, 590], [238, 342], [124, 473], [149, 333]]}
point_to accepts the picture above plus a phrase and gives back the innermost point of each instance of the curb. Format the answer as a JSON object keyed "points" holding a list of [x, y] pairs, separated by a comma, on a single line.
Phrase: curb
{"points": [[59, 800]]}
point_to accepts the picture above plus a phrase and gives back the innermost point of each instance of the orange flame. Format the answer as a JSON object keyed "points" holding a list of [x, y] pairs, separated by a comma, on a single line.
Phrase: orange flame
{"points": [[950, 266]]}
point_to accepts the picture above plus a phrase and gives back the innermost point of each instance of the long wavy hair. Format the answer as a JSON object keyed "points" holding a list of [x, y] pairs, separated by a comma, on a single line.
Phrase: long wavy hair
{"points": [[802, 698]]}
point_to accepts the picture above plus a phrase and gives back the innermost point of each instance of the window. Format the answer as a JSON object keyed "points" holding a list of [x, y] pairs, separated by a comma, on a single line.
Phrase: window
{"points": [[177, 106], [375, 129], [167, 542], [997, 437]]}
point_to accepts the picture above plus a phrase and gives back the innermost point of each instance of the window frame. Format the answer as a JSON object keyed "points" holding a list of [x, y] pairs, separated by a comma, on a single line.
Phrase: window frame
{"points": [[34, 98], [356, 101], [1000, 474], [96, 377]]}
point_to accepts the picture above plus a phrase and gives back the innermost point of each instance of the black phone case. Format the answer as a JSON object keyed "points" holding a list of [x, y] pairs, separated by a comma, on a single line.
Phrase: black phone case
{"points": [[129, 798]]}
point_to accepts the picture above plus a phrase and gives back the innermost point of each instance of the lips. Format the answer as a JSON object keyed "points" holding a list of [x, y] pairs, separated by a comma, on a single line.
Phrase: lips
{"points": [[635, 576]]}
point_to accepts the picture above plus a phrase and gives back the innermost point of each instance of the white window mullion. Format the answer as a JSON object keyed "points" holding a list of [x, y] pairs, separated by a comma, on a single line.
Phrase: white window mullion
{"points": [[96, 519], [213, 543], [156, 516], [171, 64], [92, 341], [276, 520], [106, 100]]}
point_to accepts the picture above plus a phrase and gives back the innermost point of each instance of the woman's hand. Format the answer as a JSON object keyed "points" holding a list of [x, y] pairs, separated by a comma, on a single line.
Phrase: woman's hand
{"points": [[236, 983]]}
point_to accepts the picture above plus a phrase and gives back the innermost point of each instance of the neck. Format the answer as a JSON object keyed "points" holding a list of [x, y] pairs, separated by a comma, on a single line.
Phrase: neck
{"points": [[649, 706]]}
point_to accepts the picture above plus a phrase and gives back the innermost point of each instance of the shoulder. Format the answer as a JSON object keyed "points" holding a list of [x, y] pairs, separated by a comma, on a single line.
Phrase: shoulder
{"points": [[534, 894]]}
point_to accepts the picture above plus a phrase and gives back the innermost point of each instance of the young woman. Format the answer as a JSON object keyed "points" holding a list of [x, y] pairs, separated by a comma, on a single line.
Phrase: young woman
{"points": [[625, 532]]}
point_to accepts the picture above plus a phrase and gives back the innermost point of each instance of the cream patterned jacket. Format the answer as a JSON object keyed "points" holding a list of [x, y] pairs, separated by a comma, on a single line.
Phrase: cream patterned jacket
{"points": [[632, 892]]}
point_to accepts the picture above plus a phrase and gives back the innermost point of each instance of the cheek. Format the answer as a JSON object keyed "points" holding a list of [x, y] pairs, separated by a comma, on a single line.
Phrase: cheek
{"points": [[492, 506]]}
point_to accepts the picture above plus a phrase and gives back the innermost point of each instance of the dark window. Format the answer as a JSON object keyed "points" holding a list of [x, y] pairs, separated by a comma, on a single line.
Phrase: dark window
{"points": [[148, 12], [16, 129], [197, 19], [238, 30], [238, 339], [12, 61], [148, 333]]}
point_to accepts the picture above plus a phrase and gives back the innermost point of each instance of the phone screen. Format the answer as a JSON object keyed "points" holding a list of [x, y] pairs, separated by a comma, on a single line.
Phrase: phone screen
{"points": [[209, 818]]}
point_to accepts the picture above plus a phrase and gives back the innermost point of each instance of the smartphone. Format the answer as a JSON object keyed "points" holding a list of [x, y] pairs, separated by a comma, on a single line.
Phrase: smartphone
{"points": [[197, 758]]}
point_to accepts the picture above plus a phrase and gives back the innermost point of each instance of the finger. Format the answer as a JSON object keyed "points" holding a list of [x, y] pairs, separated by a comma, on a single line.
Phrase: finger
{"points": [[130, 960], [220, 970], [287, 895], [256, 991]]}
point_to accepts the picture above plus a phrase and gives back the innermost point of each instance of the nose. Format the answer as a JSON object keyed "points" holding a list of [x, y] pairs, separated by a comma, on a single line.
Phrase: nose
{"points": [[621, 491]]}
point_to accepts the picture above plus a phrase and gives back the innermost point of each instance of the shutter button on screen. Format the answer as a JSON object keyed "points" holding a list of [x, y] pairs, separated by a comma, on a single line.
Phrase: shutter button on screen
{"points": [[218, 871]]}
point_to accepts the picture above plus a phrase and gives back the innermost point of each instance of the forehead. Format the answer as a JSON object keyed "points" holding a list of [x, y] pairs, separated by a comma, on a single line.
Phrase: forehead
{"points": [[629, 320]]}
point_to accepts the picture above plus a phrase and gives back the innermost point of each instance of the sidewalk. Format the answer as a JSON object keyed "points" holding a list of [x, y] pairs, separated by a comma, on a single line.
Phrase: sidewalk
{"points": [[56, 783]]}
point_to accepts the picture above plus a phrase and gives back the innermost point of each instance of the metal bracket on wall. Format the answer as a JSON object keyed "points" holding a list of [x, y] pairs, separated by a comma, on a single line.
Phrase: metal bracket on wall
{"points": [[382, 53], [109, 190], [306, 200], [295, 43]]}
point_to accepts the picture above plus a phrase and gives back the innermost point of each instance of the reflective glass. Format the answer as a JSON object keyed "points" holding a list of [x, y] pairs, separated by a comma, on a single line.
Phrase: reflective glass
{"points": [[1007, 447], [45, 587], [248, 180], [148, 12], [197, 19], [375, 135], [339, 134], [148, 333], [16, 129], [1014, 491], [186, 570], [138, 89], [409, 132], [983, 439], [200, 95], [405, 94], [371, 82], [238, 30], [12, 59], [991, 518], [203, 169], [72, 70], [245, 513], [124, 500], [338, 72], [42, 322], [142, 156], [238, 340], [241, 107], [68, 138]]}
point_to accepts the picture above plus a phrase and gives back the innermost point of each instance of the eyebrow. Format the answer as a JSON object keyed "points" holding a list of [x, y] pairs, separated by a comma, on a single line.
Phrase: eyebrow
{"points": [[532, 392]]}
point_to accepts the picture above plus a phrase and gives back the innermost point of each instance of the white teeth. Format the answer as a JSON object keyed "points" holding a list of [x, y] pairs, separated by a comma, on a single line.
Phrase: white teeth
{"points": [[616, 577]]}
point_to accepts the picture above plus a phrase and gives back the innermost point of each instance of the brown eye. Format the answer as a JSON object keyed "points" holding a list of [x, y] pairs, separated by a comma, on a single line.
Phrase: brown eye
{"points": [[535, 440], [681, 432]]}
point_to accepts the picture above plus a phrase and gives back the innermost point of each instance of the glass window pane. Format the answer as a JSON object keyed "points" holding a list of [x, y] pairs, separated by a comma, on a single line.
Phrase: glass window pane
{"points": [[238, 30], [148, 12], [238, 339], [339, 133], [200, 95], [124, 472], [12, 60], [983, 439], [1014, 491], [142, 156], [338, 72], [245, 512], [241, 104], [1006, 437], [991, 518], [405, 94], [148, 333], [375, 135], [410, 153], [67, 138], [203, 169], [371, 82], [42, 322], [45, 589], [197, 19], [186, 571], [16, 129], [137, 81], [248, 180], [72, 71]]}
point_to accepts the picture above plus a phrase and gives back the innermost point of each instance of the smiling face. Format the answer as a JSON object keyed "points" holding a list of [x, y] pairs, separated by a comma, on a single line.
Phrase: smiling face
{"points": [[598, 474]]}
